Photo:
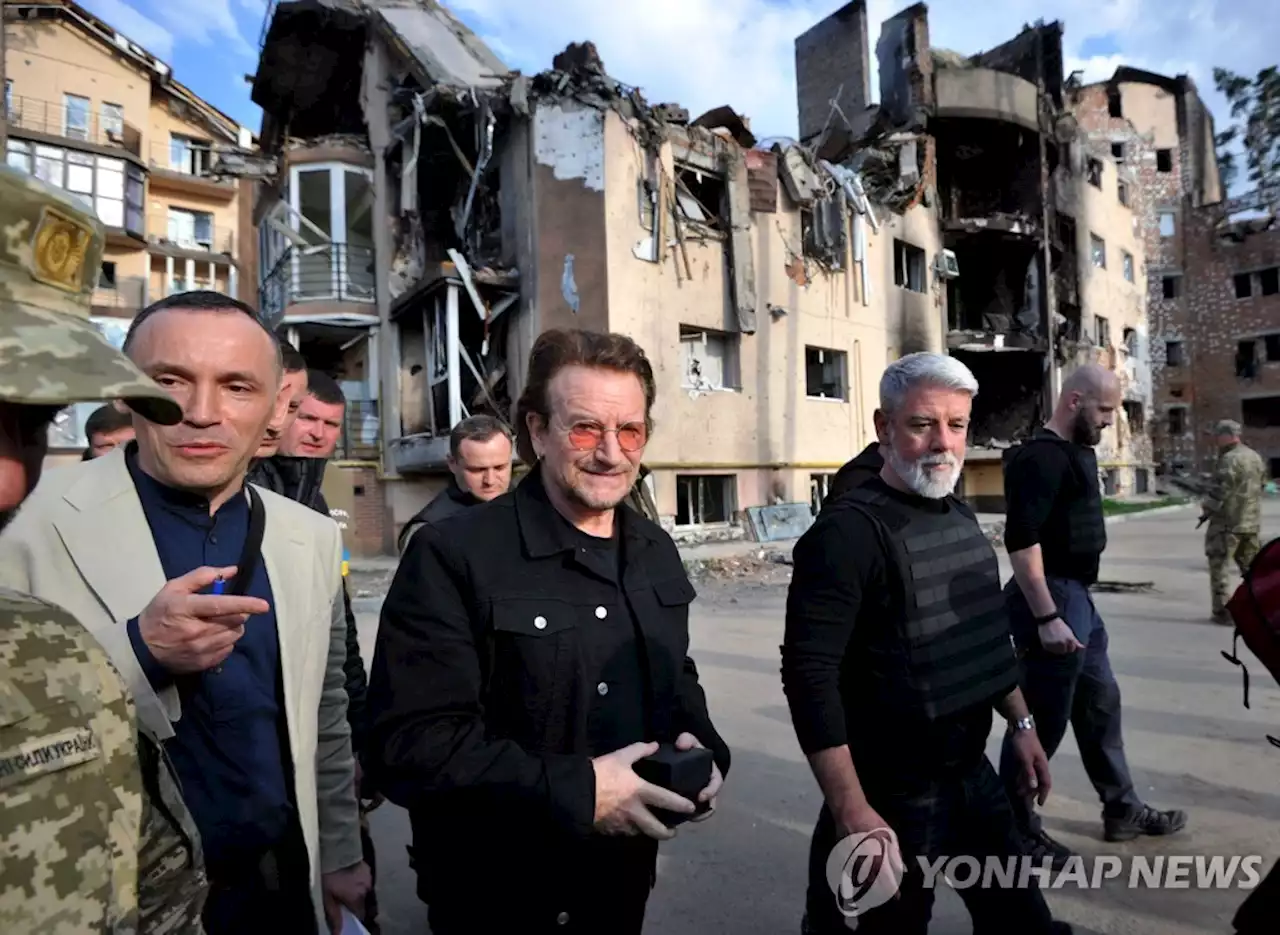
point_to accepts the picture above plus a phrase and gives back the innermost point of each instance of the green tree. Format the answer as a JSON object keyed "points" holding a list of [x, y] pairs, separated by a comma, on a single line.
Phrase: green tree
{"points": [[1255, 116]]}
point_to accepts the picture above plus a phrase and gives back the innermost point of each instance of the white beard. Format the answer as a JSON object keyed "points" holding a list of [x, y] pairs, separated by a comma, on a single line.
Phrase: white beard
{"points": [[927, 484]]}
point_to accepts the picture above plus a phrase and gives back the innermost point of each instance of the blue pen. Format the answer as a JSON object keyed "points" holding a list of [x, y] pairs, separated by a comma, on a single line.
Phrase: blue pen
{"points": [[219, 586]]}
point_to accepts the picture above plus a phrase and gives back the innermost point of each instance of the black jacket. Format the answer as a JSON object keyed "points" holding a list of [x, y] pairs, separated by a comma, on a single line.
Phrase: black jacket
{"points": [[453, 499], [477, 712], [300, 480]]}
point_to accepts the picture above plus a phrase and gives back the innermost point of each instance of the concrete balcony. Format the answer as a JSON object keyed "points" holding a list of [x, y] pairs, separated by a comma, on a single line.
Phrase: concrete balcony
{"points": [[986, 94], [52, 122], [187, 169], [333, 281]]}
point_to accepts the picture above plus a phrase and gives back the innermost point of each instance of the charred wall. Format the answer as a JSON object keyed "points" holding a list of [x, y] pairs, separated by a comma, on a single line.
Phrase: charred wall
{"points": [[1033, 54], [833, 63]]}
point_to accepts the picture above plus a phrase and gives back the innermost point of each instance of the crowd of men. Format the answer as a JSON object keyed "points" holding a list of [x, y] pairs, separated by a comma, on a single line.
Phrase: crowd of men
{"points": [[190, 742]]}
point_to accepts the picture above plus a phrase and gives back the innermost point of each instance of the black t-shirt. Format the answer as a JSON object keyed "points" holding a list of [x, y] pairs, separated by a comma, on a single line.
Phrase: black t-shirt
{"points": [[1041, 484], [843, 594]]}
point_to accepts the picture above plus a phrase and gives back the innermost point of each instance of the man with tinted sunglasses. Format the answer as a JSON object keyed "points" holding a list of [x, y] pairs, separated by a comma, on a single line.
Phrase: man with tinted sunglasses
{"points": [[533, 651]]}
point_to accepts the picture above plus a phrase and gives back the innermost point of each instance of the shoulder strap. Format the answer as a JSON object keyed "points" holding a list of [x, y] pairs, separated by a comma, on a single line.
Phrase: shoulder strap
{"points": [[251, 554]]}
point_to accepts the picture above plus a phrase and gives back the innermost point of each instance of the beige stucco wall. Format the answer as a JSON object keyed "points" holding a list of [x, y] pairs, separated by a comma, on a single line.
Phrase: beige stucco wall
{"points": [[46, 59], [1153, 111], [766, 431], [1106, 293]]}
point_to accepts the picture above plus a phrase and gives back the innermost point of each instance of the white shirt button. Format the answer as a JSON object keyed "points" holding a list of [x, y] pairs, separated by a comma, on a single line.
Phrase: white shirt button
{"points": [[562, 918], [603, 688], [601, 613], [540, 622]]}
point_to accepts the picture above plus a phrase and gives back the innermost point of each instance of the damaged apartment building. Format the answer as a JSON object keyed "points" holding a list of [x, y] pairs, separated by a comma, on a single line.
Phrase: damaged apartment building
{"points": [[1213, 269], [427, 212], [1042, 262]]}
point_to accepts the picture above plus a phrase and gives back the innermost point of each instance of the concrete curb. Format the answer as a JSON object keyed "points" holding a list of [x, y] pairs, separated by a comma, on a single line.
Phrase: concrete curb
{"points": [[1155, 511]]}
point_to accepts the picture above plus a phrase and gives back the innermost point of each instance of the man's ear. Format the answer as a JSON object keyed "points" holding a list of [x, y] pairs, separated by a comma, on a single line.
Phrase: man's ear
{"points": [[536, 426], [882, 427]]}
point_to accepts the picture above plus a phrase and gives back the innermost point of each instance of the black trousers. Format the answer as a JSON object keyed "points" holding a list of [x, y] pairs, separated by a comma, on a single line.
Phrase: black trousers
{"points": [[1079, 690], [267, 893], [966, 815]]}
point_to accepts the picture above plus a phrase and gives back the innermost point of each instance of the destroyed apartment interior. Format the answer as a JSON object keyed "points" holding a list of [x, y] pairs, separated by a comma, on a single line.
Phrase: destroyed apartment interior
{"points": [[425, 212]]}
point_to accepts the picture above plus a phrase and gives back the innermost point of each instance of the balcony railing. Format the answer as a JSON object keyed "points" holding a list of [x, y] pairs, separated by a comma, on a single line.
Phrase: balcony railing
{"points": [[182, 158], [332, 272], [208, 238], [85, 126], [361, 432], [128, 292]]}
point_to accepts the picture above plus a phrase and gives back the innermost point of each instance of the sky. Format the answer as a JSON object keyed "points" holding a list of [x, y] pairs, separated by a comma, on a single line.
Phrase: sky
{"points": [[705, 53]]}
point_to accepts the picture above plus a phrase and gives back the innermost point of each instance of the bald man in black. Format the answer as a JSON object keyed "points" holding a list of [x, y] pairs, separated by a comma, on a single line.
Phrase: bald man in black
{"points": [[1055, 533]]}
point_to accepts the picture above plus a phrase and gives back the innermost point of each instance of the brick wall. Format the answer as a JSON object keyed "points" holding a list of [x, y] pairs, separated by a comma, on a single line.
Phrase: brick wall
{"points": [[831, 55], [370, 522]]}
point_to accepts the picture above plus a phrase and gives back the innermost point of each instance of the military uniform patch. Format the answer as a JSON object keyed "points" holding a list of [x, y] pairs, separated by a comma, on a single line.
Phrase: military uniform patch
{"points": [[43, 755], [59, 251]]}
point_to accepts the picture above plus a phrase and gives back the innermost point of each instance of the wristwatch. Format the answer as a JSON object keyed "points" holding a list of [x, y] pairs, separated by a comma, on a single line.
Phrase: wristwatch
{"points": [[1023, 723]]}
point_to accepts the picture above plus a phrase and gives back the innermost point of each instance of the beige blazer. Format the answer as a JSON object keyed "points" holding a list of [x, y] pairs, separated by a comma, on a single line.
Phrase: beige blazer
{"points": [[82, 541]]}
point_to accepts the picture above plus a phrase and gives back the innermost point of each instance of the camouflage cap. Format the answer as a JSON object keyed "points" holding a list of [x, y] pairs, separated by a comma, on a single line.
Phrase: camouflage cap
{"points": [[50, 353], [1226, 427]]}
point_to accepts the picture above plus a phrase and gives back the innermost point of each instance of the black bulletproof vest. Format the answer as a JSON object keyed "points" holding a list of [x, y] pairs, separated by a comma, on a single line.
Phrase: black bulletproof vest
{"points": [[1079, 503], [952, 648]]}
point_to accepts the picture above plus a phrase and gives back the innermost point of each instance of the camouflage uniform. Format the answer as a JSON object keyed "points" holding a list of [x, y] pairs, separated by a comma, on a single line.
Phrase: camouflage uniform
{"points": [[94, 835], [1234, 511]]}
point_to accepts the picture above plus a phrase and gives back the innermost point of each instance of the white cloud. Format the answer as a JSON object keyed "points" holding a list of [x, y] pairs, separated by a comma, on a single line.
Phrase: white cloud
{"points": [[703, 53], [141, 29], [206, 23]]}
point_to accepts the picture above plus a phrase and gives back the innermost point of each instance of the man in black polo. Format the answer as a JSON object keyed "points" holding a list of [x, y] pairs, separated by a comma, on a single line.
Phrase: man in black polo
{"points": [[896, 652], [528, 653], [1055, 532]]}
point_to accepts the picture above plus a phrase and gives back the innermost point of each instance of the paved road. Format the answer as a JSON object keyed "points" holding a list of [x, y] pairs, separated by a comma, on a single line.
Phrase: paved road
{"points": [[1191, 745]]}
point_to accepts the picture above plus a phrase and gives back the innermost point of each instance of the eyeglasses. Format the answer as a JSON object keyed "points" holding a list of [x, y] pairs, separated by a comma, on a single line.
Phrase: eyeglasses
{"points": [[585, 436]]}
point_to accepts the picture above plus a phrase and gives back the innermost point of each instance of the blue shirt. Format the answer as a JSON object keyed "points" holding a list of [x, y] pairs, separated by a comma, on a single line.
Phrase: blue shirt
{"points": [[227, 746]]}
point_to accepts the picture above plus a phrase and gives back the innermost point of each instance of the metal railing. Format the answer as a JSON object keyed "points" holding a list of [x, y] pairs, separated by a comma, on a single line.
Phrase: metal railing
{"points": [[182, 158], [86, 126], [361, 438], [202, 238], [332, 272]]}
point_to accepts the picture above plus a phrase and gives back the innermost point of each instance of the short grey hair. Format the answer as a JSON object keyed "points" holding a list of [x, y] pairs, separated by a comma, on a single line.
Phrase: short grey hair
{"points": [[940, 370], [478, 428]]}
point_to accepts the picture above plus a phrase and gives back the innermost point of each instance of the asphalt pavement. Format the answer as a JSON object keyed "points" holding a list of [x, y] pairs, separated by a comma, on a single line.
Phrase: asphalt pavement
{"points": [[1190, 741]]}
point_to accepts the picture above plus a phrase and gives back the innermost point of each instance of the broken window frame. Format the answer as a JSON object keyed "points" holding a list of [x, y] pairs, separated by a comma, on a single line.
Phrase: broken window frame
{"points": [[910, 269], [1269, 281], [1122, 192], [1171, 292], [1247, 363], [695, 346], [1126, 263], [1178, 420], [1175, 353], [1168, 224], [695, 499], [1093, 172], [1243, 285], [1134, 414], [819, 491], [1260, 412], [1101, 331], [1271, 347], [826, 358], [1129, 338], [1164, 157], [715, 224]]}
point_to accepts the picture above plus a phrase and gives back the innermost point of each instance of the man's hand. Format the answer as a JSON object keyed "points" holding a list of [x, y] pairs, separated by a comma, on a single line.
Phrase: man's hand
{"points": [[190, 632], [623, 798], [1034, 779], [687, 741], [863, 821], [1057, 638], [345, 888]]}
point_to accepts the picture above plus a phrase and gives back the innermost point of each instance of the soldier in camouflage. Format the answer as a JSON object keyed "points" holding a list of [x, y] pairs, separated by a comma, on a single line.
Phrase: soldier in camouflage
{"points": [[1233, 511], [94, 835]]}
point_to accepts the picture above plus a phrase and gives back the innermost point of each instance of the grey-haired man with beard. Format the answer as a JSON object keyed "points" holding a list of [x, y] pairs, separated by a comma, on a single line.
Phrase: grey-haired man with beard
{"points": [[1055, 532], [897, 650]]}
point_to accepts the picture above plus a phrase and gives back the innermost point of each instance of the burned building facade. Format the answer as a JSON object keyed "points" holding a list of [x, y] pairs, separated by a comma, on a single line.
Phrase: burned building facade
{"points": [[431, 212], [1040, 266], [1213, 269]]}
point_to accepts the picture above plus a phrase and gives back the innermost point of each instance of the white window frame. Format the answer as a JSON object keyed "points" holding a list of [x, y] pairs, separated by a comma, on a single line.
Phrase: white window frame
{"points": [[66, 117], [340, 278]]}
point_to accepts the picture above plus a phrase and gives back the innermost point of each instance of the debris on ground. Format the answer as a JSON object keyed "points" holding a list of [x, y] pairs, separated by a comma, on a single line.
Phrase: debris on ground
{"points": [[994, 532], [369, 582], [763, 565], [1124, 587]]}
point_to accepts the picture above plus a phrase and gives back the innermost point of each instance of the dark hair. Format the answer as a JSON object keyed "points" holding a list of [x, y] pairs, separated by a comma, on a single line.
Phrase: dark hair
{"points": [[561, 348], [198, 301], [291, 358], [325, 388], [106, 419], [477, 428]]}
